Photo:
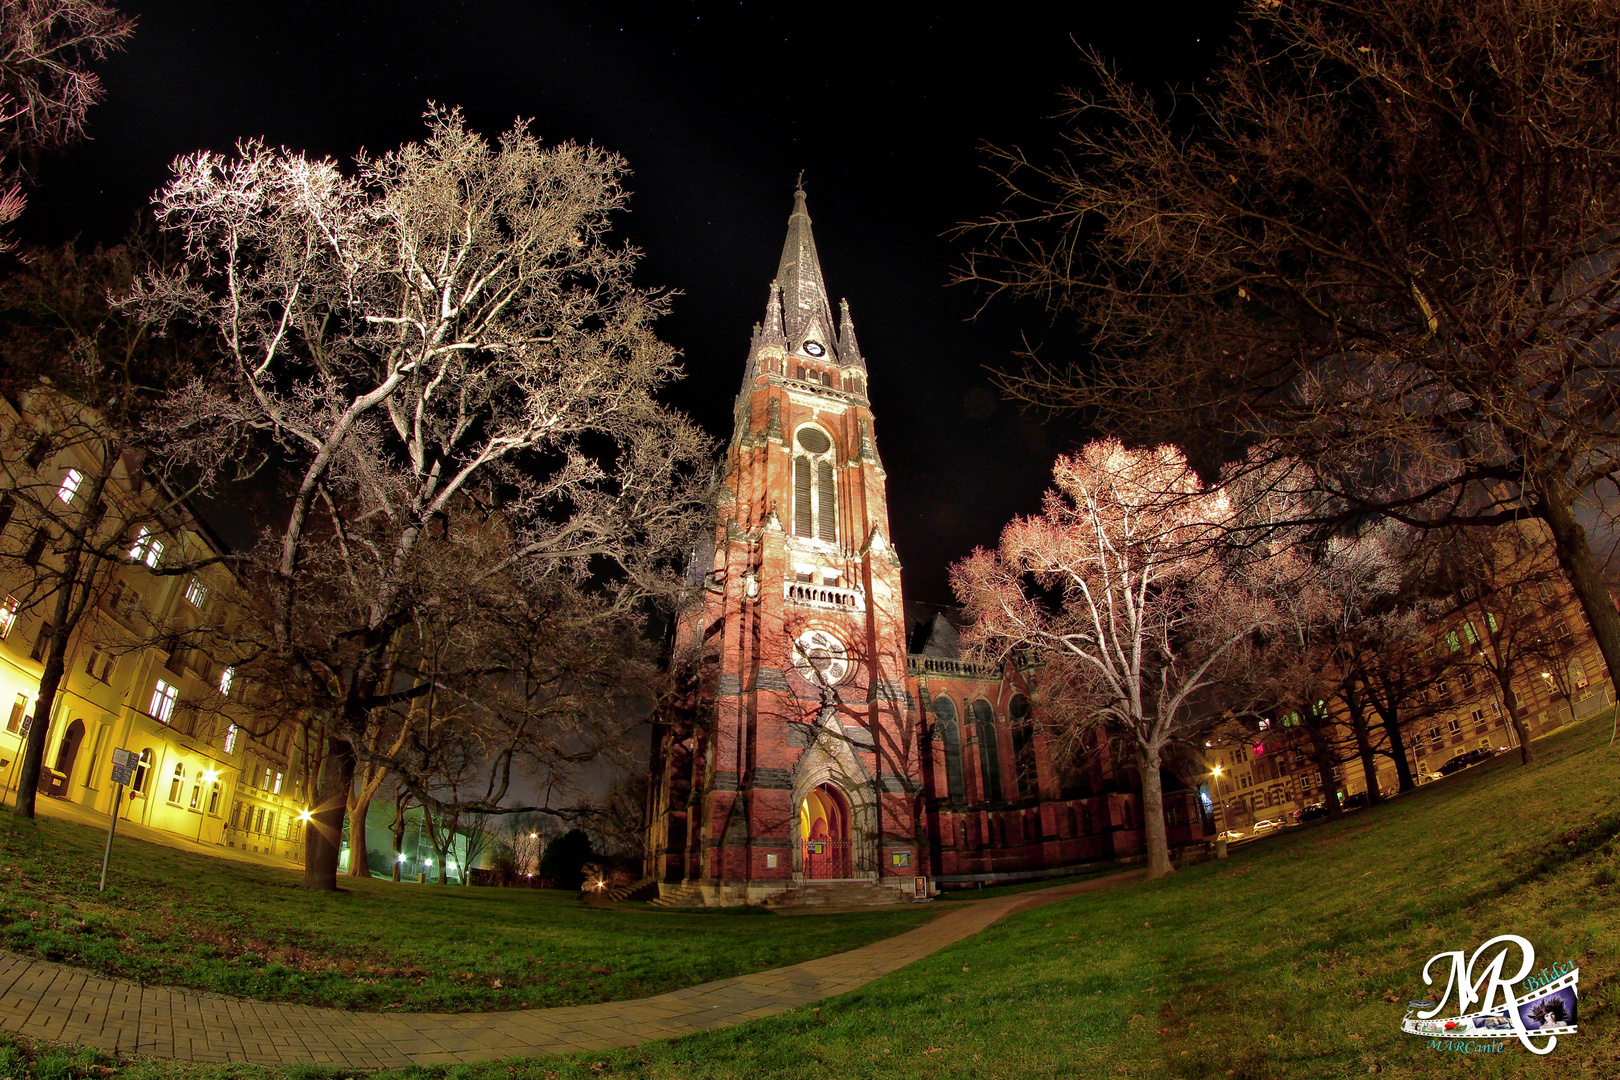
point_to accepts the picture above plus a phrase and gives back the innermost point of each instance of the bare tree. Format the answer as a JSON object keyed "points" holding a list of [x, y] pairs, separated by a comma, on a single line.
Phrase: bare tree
{"points": [[46, 85], [1118, 587], [449, 326], [85, 495], [1499, 578], [1381, 239]]}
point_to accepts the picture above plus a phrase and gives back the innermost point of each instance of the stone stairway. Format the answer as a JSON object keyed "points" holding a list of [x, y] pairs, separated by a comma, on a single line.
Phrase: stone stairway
{"points": [[688, 895], [645, 889]]}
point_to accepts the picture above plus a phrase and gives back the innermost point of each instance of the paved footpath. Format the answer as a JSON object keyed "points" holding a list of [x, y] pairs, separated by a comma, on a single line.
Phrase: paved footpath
{"points": [[49, 1001]]}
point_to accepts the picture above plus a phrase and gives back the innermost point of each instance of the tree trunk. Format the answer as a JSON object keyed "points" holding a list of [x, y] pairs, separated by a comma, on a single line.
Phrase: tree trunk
{"points": [[34, 749], [1324, 758], [325, 833], [1510, 702], [1364, 747], [1585, 579], [1390, 719], [359, 855], [399, 835], [65, 618], [1154, 836]]}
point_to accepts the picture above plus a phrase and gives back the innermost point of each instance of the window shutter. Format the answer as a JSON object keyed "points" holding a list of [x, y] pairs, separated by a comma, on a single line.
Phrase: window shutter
{"points": [[827, 496], [801, 497]]}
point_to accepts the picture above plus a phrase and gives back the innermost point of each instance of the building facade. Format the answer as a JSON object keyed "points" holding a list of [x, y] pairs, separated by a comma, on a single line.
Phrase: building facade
{"points": [[140, 674], [810, 742], [1269, 775]]}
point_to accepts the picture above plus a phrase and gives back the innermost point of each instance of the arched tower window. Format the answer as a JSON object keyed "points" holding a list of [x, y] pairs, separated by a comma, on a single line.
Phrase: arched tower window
{"points": [[1023, 739], [815, 489], [984, 722], [945, 713]]}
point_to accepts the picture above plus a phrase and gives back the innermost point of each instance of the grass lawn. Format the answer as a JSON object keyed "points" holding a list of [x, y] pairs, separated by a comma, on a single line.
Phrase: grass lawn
{"points": [[235, 928], [1294, 958]]}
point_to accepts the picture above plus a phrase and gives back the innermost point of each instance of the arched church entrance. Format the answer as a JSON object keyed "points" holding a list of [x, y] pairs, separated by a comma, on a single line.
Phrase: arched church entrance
{"points": [[824, 825]]}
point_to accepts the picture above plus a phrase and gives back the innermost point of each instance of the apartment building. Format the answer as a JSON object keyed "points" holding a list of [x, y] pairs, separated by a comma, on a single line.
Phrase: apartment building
{"points": [[146, 670]]}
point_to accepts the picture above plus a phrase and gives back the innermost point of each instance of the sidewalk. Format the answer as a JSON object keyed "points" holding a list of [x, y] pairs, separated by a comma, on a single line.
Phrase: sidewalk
{"points": [[49, 1001]]}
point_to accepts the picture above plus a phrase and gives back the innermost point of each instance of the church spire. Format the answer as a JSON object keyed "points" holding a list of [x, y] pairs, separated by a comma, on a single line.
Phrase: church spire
{"points": [[805, 307]]}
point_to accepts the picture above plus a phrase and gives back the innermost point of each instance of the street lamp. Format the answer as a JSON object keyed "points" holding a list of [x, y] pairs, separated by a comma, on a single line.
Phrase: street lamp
{"points": [[1220, 826]]}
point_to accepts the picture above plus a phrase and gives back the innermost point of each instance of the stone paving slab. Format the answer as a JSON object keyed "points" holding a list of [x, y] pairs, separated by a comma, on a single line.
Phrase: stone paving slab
{"points": [[49, 1001]]}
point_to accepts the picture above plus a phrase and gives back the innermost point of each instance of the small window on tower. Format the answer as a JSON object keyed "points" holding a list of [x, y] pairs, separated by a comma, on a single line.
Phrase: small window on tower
{"points": [[831, 579]]}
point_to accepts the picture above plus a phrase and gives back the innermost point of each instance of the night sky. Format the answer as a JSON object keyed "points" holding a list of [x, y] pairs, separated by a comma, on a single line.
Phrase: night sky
{"points": [[717, 108]]}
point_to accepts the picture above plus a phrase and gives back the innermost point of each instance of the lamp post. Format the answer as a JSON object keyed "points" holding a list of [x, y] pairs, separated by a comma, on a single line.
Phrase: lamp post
{"points": [[1220, 825]]}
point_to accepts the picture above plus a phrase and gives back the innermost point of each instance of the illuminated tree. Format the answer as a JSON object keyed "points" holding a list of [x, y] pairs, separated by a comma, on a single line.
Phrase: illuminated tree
{"points": [[1124, 590], [46, 85], [445, 330], [1380, 239]]}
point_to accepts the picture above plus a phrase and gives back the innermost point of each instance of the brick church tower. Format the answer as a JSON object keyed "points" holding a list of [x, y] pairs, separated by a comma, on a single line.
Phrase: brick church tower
{"points": [[793, 756]]}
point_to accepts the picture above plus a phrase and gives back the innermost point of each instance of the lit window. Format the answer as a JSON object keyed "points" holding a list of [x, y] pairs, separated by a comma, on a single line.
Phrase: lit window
{"points": [[197, 594], [70, 486], [213, 800], [142, 769], [163, 696], [1470, 633], [148, 549], [8, 616], [178, 784], [277, 789], [226, 678], [1451, 639], [230, 739]]}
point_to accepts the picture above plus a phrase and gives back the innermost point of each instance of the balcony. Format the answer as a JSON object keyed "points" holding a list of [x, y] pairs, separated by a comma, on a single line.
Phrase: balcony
{"points": [[826, 597]]}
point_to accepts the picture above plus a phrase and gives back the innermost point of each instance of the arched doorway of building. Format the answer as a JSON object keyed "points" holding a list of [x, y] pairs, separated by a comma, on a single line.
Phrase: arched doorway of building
{"points": [[66, 752], [824, 826]]}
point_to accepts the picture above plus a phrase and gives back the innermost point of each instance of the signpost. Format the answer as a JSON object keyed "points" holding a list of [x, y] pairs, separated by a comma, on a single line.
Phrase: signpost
{"points": [[123, 765], [22, 740]]}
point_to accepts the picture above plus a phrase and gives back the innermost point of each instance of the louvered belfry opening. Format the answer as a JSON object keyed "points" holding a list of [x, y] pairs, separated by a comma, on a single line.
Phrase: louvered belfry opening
{"points": [[802, 524], [828, 500], [814, 515]]}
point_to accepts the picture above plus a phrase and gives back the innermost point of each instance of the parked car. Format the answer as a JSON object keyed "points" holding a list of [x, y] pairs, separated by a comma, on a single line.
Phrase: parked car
{"points": [[1356, 801], [1267, 825], [1465, 759], [1231, 834], [1311, 813]]}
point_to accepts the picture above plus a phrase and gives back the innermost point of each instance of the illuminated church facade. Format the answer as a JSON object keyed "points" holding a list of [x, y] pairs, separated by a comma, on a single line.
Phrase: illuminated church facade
{"points": [[829, 744]]}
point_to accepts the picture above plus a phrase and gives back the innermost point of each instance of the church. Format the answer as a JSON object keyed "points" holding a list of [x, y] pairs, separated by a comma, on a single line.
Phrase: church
{"points": [[828, 743]]}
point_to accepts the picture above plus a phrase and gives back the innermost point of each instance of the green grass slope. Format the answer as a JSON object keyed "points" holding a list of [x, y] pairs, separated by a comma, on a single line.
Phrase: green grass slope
{"points": [[1294, 958], [177, 918]]}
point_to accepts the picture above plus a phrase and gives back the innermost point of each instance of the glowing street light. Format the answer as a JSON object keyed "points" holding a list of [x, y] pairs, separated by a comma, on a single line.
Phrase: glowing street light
{"points": [[305, 816], [208, 777]]}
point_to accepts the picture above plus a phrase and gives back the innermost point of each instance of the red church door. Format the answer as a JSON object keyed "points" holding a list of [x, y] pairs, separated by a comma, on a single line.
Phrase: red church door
{"points": [[824, 820]]}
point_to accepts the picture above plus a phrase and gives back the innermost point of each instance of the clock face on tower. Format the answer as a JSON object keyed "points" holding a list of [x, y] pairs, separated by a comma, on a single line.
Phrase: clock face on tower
{"points": [[814, 348], [821, 657]]}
